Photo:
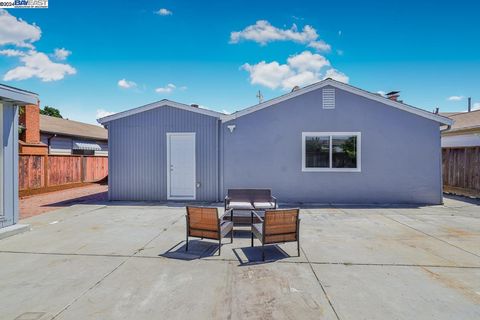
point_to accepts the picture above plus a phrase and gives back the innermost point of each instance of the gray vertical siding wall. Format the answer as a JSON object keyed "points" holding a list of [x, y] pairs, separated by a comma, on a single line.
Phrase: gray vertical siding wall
{"points": [[138, 157], [400, 152], [10, 166]]}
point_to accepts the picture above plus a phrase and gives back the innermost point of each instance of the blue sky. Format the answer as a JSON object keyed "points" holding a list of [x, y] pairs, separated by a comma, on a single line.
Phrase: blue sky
{"points": [[116, 55]]}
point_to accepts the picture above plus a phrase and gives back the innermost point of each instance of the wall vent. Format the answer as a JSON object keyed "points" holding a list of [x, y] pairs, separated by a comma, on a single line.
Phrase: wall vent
{"points": [[328, 95]]}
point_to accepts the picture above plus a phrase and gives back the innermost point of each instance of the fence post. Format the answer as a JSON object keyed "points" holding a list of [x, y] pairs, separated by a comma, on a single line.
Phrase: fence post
{"points": [[83, 168], [46, 171]]}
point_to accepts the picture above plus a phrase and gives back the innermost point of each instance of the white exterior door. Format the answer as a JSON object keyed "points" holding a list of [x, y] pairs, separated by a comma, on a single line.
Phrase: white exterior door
{"points": [[181, 166]]}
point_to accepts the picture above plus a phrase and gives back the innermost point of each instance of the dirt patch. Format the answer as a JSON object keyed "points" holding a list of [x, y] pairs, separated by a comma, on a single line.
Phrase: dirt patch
{"points": [[454, 284], [458, 232]]}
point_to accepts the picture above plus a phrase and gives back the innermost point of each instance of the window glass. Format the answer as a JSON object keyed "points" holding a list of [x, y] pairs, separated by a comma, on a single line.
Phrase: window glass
{"points": [[317, 152], [344, 152]]}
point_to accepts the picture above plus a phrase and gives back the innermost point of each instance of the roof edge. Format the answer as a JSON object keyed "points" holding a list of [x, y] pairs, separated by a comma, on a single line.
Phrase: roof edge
{"points": [[348, 88], [75, 135], [159, 104], [18, 96]]}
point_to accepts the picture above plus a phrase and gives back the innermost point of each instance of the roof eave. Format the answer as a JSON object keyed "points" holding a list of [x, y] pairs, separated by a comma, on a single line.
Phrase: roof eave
{"points": [[348, 88], [159, 104], [17, 96], [74, 135]]}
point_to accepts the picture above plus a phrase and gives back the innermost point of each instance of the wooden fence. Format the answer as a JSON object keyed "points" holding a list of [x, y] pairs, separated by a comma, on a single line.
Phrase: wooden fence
{"points": [[37, 172], [461, 170]]}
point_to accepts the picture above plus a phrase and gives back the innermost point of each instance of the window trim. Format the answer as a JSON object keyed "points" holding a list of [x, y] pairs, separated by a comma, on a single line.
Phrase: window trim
{"points": [[330, 134]]}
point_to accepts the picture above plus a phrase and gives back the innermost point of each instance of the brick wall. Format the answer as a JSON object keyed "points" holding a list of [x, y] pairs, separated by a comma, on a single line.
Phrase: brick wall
{"points": [[30, 119]]}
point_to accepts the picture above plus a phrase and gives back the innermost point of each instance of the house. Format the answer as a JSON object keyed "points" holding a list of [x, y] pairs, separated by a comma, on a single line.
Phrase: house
{"points": [[325, 143], [461, 154], [465, 132], [43, 134], [10, 99]]}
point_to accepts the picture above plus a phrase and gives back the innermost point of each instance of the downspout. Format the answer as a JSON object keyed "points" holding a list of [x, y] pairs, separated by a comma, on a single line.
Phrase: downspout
{"points": [[48, 141], [220, 159], [217, 158], [446, 129]]}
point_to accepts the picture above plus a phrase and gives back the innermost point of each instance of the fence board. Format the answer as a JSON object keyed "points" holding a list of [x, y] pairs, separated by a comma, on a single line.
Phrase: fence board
{"points": [[461, 169], [43, 171]]}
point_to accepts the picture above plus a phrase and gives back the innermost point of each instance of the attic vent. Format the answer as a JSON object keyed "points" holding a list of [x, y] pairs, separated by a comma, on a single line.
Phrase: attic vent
{"points": [[328, 95]]}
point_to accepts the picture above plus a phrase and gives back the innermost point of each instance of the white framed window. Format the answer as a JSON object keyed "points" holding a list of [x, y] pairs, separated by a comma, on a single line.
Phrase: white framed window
{"points": [[331, 151]]}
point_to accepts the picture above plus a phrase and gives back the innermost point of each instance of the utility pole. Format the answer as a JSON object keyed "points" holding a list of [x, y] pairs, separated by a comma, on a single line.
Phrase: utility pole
{"points": [[469, 104]]}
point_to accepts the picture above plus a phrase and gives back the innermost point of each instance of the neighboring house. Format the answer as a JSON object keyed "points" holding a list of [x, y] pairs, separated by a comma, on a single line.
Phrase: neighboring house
{"points": [[44, 134], [10, 99], [326, 143], [64, 136], [465, 132]]}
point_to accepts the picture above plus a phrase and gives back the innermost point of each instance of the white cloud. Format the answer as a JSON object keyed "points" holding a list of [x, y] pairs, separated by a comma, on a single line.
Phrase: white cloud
{"points": [[476, 106], [336, 75], [320, 45], [38, 64], [126, 84], [299, 79], [300, 70], [17, 32], [455, 98], [103, 113], [308, 61], [62, 53], [382, 93], [268, 74], [167, 89], [12, 53], [164, 12], [263, 32]]}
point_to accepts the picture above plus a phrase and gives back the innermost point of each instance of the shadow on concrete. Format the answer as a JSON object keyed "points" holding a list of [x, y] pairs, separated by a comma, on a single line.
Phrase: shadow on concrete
{"points": [[197, 249], [474, 201], [174, 204], [241, 233], [95, 198], [248, 256]]}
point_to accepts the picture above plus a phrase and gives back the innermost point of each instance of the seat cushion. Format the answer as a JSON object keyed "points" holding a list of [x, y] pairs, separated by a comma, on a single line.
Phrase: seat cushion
{"points": [[240, 205], [264, 205], [257, 229]]}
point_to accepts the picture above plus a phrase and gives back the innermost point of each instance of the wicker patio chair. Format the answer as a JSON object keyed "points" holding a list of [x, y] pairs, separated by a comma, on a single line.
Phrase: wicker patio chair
{"points": [[277, 226], [204, 222]]}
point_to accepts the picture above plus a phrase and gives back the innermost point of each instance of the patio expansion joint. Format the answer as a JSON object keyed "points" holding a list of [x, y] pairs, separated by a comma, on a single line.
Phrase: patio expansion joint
{"points": [[234, 260], [431, 236], [128, 257], [320, 284]]}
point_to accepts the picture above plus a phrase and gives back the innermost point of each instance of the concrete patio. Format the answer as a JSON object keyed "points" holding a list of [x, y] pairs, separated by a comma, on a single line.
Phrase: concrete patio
{"points": [[127, 261]]}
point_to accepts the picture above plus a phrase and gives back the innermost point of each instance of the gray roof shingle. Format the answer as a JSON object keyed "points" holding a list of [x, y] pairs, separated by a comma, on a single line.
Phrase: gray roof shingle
{"points": [[72, 128]]}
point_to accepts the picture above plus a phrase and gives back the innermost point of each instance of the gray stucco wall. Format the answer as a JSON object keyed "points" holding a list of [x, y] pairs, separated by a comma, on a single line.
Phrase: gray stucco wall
{"points": [[138, 157], [10, 166], [400, 152]]}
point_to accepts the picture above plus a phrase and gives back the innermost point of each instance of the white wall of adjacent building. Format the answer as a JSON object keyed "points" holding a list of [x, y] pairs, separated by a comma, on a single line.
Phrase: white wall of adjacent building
{"points": [[464, 140]]}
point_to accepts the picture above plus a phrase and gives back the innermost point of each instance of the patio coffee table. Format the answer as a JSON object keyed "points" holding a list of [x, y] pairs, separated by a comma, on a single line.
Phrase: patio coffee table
{"points": [[244, 217]]}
